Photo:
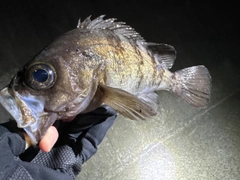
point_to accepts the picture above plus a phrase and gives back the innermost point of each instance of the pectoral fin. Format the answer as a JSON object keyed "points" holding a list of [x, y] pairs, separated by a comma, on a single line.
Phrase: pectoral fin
{"points": [[125, 103]]}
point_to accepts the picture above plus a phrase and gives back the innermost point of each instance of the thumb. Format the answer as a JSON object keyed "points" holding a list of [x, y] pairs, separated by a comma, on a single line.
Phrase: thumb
{"points": [[49, 139]]}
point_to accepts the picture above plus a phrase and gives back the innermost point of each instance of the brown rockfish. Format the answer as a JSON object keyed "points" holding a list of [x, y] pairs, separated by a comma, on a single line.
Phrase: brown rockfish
{"points": [[99, 62]]}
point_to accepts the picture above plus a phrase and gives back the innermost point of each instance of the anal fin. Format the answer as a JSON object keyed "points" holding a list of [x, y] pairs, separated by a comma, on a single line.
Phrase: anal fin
{"points": [[126, 104]]}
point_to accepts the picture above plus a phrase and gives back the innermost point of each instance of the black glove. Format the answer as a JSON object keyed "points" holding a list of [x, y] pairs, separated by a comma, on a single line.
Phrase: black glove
{"points": [[77, 142]]}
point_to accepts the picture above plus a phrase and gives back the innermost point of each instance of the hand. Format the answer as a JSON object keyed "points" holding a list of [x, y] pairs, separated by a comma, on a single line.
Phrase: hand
{"points": [[48, 141], [76, 142]]}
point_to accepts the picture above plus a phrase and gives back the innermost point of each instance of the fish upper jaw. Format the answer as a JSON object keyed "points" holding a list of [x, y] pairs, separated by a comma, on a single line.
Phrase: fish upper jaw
{"points": [[28, 112]]}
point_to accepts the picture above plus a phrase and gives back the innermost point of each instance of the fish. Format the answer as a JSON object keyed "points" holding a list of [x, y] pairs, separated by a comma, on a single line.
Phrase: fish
{"points": [[100, 62]]}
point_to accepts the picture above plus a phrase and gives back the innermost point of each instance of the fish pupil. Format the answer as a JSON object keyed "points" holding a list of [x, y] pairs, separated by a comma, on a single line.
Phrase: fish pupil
{"points": [[40, 75]]}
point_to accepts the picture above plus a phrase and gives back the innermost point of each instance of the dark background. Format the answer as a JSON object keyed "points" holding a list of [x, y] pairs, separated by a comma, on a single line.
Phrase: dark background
{"points": [[192, 27]]}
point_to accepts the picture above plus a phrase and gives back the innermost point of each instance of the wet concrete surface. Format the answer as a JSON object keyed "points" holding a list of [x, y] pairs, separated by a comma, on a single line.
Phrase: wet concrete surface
{"points": [[181, 142]]}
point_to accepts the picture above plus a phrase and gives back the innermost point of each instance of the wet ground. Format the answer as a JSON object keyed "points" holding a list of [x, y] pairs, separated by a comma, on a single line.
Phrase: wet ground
{"points": [[181, 142]]}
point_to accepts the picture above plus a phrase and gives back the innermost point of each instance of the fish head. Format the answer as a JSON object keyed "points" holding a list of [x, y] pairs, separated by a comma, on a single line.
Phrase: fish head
{"points": [[46, 89]]}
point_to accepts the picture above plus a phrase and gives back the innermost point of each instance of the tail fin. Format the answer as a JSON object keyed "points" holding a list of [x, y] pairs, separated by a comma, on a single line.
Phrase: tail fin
{"points": [[193, 84]]}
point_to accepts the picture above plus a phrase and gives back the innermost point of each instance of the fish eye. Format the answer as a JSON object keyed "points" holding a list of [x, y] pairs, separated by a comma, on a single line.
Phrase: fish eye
{"points": [[40, 76]]}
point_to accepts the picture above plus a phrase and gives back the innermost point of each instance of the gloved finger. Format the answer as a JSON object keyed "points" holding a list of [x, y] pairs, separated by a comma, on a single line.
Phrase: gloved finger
{"points": [[94, 136], [70, 132], [12, 144], [11, 125]]}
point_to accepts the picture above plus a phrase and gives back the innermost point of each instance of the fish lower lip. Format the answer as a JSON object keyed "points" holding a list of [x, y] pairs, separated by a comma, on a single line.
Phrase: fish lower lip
{"points": [[28, 112], [9, 103]]}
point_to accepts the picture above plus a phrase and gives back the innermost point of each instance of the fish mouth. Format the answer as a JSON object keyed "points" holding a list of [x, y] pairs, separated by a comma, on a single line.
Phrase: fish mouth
{"points": [[28, 112]]}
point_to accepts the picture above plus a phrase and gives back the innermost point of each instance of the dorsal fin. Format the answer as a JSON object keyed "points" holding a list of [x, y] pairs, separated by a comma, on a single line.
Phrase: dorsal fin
{"points": [[163, 54], [110, 24]]}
